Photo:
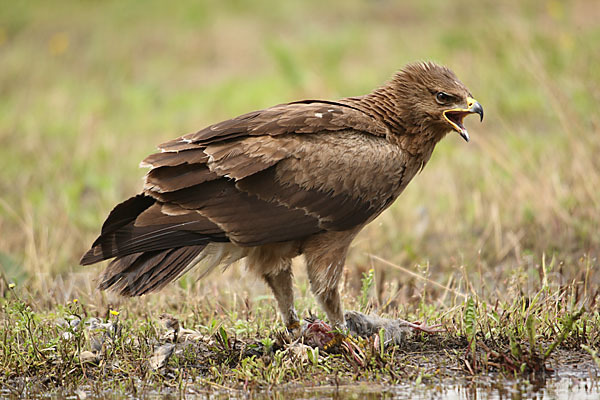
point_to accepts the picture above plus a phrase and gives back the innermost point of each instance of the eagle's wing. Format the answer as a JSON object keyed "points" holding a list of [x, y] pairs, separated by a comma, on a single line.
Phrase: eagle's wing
{"points": [[274, 175], [278, 174], [307, 116]]}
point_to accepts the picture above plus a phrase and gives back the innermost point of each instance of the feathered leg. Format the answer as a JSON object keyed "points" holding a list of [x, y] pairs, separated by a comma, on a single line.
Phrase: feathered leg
{"points": [[325, 288], [325, 256], [280, 282], [274, 264]]}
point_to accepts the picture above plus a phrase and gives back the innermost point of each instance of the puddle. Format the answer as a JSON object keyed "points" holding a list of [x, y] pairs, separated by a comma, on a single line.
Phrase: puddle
{"points": [[565, 387], [577, 379], [561, 388]]}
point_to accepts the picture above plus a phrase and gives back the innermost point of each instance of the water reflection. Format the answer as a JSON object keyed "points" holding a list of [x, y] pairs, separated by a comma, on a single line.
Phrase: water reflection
{"points": [[563, 388], [566, 388]]}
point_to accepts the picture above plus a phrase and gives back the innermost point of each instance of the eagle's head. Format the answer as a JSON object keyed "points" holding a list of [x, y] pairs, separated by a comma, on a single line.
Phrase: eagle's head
{"points": [[432, 99]]}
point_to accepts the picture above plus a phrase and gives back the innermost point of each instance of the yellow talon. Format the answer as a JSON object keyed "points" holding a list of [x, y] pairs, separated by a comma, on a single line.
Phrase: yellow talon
{"points": [[338, 338]]}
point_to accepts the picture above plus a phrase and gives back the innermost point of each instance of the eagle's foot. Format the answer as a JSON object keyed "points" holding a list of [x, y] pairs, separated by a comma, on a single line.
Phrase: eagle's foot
{"points": [[291, 333], [320, 334], [294, 327], [337, 339], [317, 333]]}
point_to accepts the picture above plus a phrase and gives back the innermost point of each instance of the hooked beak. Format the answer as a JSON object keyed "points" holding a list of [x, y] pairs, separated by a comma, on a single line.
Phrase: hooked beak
{"points": [[455, 116]]}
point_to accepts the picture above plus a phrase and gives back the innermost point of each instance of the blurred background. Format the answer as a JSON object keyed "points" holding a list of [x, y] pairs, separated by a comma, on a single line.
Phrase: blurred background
{"points": [[89, 88]]}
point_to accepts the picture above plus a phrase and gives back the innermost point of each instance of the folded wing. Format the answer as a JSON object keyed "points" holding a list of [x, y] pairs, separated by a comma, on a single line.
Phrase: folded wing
{"points": [[275, 175]]}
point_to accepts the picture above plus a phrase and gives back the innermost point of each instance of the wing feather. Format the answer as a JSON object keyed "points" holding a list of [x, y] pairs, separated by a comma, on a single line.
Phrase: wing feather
{"points": [[173, 158], [169, 179], [274, 175], [309, 116], [246, 219]]}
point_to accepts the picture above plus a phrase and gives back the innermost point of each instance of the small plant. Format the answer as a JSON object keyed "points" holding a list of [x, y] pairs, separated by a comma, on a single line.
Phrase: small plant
{"points": [[267, 342], [470, 324], [368, 280], [313, 355]]}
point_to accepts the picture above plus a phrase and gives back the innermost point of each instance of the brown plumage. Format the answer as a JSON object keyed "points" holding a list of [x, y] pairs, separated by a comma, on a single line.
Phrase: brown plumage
{"points": [[297, 178]]}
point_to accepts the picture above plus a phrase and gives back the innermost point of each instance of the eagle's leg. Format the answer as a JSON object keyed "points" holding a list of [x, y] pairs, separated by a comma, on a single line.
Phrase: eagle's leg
{"points": [[325, 256], [328, 295], [280, 282], [274, 264], [324, 276]]}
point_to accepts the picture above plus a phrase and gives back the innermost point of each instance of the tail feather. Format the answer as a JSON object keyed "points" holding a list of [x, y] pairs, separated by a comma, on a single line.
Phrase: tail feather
{"points": [[139, 225], [152, 248], [133, 240], [141, 273], [124, 214]]}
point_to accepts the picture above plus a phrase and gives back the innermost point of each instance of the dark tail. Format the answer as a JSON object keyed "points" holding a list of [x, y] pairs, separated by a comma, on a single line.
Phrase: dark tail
{"points": [[141, 273], [151, 250], [118, 221]]}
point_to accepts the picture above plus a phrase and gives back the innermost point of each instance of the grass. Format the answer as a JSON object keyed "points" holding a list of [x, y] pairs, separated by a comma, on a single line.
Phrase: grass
{"points": [[498, 240]]}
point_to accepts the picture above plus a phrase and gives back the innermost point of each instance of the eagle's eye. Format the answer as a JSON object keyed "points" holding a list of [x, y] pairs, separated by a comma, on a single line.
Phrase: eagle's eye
{"points": [[443, 98]]}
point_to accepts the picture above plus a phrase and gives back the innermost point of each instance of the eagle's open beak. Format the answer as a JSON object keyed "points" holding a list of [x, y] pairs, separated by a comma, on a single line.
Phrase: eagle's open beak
{"points": [[455, 116]]}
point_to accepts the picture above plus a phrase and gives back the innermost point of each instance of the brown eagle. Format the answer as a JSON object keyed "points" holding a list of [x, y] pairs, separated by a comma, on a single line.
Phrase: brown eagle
{"points": [[297, 178]]}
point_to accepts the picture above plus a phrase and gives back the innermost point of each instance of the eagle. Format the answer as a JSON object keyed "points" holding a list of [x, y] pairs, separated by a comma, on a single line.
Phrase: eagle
{"points": [[301, 178]]}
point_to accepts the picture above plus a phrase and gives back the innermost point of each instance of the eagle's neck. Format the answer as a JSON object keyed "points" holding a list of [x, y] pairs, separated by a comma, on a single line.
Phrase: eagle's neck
{"points": [[387, 106], [381, 105]]}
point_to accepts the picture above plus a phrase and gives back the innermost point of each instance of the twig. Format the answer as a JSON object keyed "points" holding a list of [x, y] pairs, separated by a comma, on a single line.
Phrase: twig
{"points": [[386, 262]]}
